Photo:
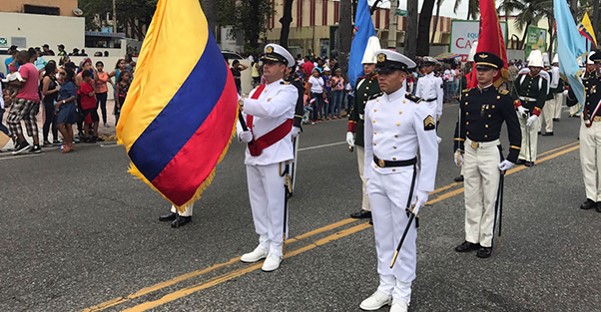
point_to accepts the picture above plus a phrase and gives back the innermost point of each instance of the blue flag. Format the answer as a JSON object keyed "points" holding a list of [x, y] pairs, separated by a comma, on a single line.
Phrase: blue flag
{"points": [[364, 28], [570, 45]]}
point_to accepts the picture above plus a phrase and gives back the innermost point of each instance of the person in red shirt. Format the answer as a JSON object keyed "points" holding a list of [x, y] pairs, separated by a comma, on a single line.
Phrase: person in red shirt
{"points": [[307, 68], [88, 106], [26, 106]]}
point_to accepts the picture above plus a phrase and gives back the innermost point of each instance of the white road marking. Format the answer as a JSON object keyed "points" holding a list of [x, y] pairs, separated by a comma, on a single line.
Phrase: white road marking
{"points": [[320, 146]]}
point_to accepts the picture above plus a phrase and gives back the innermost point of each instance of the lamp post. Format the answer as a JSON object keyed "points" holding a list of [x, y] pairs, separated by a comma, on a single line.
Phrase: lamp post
{"points": [[114, 17]]}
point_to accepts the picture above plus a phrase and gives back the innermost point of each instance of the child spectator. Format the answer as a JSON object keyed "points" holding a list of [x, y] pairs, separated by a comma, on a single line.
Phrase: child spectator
{"points": [[121, 90], [13, 75], [327, 108], [88, 106]]}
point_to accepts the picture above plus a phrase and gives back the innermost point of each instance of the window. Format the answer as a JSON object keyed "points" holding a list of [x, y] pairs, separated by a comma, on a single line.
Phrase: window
{"points": [[37, 9]]}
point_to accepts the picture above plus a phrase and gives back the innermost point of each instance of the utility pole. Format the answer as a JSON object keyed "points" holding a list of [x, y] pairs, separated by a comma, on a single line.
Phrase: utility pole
{"points": [[597, 20], [411, 30], [392, 26], [114, 17]]}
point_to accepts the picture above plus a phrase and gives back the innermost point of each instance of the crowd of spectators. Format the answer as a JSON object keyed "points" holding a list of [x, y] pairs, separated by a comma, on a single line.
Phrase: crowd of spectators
{"points": [[68, 95]]}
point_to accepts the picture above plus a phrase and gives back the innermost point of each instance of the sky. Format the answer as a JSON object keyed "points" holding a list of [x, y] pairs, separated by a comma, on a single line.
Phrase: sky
{"points": [[445, 10]]}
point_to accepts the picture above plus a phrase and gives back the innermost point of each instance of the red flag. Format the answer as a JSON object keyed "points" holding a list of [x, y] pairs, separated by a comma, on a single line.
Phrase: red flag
{"points": [[490, 38]]}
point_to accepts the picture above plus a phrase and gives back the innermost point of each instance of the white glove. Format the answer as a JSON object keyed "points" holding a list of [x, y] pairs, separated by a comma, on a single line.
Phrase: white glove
{"points": [[421, 199], [458, 158], [245, 136], [350, 139], [523, 111], [531, 120], [295, 132], [505, 165], [565, 92]]}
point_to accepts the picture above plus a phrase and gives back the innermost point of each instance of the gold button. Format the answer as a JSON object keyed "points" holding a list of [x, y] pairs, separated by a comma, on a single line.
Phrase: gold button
{"points": [[467, 123], [493, 107], [366, 88], [489, 116], [498, 97], [485, 126], [374, 143], [375, 132], [404, 101], [398, 124], [467, 132], [373, 121], [486, 136], [467, 113]]}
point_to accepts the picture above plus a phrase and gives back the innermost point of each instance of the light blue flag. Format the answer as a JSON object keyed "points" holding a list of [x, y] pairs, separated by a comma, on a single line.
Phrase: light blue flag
{"points": [[570, 45], [364, 28]]}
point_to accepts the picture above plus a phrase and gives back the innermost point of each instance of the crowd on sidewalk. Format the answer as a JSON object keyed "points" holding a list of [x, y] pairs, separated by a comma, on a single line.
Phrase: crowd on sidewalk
{"points": [[63, 95]]}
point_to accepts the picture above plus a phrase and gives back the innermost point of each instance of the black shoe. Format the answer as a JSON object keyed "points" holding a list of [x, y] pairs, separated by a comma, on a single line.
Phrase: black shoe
{"points": [[548, 134], [539, 133], [529, 163], [588, 205], [598, 208], [484, 252], [556, 119], [35, 149], [361, 214], [459, 178], [180, 221], [168, 217], [520, 162], [466, 247], [21, 147]]}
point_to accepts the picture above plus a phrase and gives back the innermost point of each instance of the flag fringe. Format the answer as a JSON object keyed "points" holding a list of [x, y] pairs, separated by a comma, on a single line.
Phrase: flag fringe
{"points": [[203, 186]]}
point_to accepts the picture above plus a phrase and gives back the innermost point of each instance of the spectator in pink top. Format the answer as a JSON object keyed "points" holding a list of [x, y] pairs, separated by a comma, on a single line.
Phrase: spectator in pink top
{"points": [[26, 106]]}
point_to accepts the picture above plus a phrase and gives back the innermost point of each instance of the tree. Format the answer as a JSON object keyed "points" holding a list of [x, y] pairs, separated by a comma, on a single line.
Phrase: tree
{"points": [[286, 20], [346, 33], [247, 17], [529, 12], [438, 4], [411, 31], [210, 9], [423, 33], [473, 8], [132, 15]]}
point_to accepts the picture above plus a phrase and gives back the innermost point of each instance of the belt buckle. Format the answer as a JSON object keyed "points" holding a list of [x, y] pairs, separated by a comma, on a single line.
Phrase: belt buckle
{"points": [[475, 145], [597, 118], [381, 163]]}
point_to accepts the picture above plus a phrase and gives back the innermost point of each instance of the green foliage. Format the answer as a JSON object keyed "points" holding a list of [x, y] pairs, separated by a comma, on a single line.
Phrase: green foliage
{"points": [[249, 16], [129, 12]]}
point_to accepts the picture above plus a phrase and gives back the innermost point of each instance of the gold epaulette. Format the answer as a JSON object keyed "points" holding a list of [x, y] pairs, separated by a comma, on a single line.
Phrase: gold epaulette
{"points": [[503, 92]]}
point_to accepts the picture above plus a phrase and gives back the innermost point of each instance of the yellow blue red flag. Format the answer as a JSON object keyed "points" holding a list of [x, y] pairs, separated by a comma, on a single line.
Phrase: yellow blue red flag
{"points": [[179, 115], [586, 29]]}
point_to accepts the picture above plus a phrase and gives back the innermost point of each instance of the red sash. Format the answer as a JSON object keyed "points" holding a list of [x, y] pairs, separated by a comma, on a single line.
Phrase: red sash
{"points": [[256, 146]]}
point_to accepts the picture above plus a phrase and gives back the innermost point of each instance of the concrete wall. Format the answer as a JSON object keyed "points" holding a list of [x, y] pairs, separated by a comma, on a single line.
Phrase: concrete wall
{"points": [[66, 6], [41, 29]]}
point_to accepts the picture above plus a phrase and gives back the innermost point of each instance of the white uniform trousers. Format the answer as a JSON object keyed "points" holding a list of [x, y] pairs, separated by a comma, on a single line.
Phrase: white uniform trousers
{"points": [[590, 159], [549, 114], [575, 110], [481, 183], [388, 194], [187, 211], [529, 139], [267, 197], [558, 103], [360, 161]]}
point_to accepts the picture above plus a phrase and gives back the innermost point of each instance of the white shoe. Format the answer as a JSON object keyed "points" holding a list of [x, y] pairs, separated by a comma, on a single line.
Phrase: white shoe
{"points": [[271, 263], [254, 256], [375, 301], [399, 306]]}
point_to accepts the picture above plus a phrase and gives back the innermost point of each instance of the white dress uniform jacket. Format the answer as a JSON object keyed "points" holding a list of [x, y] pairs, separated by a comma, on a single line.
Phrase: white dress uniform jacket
{"points": [[394, 131], [431, 87], [274, 106]]}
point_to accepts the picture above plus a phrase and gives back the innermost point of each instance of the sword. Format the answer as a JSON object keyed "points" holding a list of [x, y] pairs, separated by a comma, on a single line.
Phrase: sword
{"points": [[294, 162], [411, 217], [287, 190], [499, 201]]}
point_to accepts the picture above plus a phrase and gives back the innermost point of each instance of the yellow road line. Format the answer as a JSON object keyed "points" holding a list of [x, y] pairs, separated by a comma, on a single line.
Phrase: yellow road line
{"points": [[226, 277], [147, 290]]}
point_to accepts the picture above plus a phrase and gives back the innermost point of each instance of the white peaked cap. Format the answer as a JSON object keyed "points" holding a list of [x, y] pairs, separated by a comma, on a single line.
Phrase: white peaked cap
{"points": [[588, 61], [555, 59], [373, 45], [535, 59], [470, 57]]}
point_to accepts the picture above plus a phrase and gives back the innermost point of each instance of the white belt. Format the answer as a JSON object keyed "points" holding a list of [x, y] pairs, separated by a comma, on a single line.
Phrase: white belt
{"points": [[529, 99], [477, 145]]}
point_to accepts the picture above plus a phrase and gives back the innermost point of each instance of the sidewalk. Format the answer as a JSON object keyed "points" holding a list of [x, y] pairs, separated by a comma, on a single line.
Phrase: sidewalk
{"points": [[107, 133]]}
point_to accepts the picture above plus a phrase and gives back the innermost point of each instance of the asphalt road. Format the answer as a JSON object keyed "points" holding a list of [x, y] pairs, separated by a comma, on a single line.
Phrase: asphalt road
{"points": [[78, 232]]}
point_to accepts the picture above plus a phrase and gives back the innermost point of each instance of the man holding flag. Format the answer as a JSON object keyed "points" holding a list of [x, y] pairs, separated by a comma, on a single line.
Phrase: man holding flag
{"points": [[269, 113]]}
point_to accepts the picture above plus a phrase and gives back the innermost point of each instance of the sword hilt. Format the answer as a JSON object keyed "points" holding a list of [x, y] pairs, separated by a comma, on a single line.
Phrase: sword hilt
{"points": [[396, 254]]}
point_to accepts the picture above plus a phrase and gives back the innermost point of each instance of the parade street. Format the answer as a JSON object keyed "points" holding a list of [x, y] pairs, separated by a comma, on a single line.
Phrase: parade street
{"points": [[79, 233]]}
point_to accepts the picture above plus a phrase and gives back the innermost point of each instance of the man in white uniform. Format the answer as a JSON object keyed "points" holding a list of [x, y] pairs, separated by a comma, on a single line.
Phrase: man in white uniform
{"points": [[430, 88], [397, 126], [269, 113]]}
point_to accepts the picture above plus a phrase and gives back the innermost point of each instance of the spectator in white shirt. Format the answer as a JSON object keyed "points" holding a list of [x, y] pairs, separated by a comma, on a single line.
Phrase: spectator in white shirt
{"points": [[317, 95]]}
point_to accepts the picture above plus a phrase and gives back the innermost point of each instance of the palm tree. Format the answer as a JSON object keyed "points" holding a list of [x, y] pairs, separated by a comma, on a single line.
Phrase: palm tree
{"points": [[438, 4], [411, 31], [529, 12], [473, 8], [286, 20]]}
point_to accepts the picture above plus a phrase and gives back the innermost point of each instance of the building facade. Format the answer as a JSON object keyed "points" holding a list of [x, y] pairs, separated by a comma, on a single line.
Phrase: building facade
{"points": [[47, 7], [315, 26]]}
